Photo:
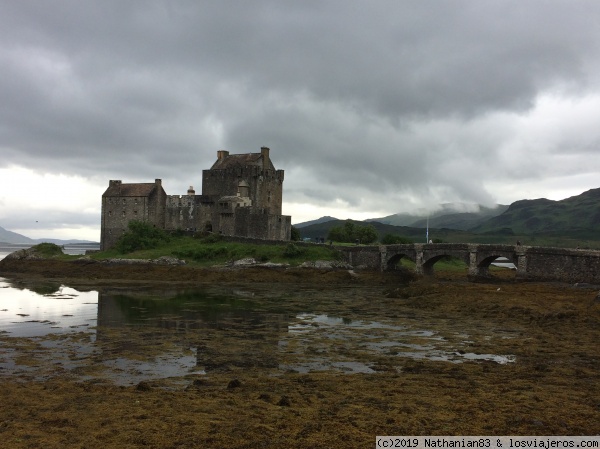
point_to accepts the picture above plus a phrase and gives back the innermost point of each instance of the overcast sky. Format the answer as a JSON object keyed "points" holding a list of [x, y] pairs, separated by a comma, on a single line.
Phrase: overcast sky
{"points": [[371, 107]]}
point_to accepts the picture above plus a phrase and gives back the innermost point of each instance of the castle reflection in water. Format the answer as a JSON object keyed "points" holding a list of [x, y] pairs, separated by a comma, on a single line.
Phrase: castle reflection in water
{"points": [[226, 328]]}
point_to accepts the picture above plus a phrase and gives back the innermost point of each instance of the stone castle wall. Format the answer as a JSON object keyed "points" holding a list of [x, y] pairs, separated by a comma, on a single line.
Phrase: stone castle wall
{"points": [[241, 196]]}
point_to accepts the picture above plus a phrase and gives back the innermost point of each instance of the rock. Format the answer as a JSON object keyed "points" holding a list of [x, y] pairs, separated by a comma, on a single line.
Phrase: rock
{"points": [[85, 260], [244, 262], [326, 264], [235, 383], [265, 397], [118, 261], [164, 260], [23, 254], [273, 265], [168, 260], [143, 386], [284, 402]]}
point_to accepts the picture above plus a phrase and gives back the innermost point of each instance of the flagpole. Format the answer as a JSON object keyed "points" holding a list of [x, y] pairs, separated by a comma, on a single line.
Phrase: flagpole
{"points": [[427, 231]]}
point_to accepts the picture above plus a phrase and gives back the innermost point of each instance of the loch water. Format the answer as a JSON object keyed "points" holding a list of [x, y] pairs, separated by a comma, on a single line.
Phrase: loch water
{"points": [[127, 334]]}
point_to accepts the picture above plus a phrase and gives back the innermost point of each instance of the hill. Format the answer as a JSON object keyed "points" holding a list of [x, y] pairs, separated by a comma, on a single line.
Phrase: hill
{"points": [[460, 216], [577, 216], [7, 236], [417, 235], [313, 222], [11, 237]]}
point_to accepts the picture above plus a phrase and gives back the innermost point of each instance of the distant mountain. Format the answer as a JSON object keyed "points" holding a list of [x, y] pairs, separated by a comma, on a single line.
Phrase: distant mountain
{"points": [[312, 222], [570, 222], [13, 237], [575, 216], [321, 230], [459, 216]]}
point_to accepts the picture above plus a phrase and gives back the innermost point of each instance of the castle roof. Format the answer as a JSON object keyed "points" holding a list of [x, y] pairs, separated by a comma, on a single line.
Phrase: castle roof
{"points": [[234, 160], [137, 189]]}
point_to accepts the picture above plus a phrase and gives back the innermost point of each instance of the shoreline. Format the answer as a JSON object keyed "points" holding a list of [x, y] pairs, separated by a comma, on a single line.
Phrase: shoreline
{"points": [[82, 272], [247, 398]]}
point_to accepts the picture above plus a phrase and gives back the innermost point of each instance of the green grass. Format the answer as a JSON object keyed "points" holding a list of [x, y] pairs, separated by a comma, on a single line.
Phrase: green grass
{"points": [[208, 252], [50, 250], [448, 264]]}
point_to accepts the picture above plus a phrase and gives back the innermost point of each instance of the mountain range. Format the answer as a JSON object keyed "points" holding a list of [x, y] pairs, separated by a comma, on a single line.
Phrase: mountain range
{"points": [[573, 221], [450, 215], [7, 236]]}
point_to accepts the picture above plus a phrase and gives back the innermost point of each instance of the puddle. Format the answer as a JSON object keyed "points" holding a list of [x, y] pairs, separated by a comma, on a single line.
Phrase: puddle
{"points": [[330, 338]]}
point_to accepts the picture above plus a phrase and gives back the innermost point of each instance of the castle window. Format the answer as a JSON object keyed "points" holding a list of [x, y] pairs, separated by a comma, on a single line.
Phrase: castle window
{"points": [[135, 201], [110, 213], [123, 214], [135, 212], [124, 201]]}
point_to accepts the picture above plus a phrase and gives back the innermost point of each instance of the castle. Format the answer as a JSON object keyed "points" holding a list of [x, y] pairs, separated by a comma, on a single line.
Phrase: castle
{"points": [[241, 196]]}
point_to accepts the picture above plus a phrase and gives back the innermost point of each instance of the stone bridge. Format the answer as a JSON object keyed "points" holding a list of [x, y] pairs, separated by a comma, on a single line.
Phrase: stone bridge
{"points": [[532, 262]]}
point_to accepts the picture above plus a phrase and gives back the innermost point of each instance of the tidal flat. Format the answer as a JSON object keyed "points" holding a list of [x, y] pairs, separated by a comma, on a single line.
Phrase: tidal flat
{"points": [[302, 361]]}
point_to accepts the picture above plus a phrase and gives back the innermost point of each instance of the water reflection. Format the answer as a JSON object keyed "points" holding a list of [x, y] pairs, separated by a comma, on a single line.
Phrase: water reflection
{"points": [[224, 329], [28, 310], [129, 334]]}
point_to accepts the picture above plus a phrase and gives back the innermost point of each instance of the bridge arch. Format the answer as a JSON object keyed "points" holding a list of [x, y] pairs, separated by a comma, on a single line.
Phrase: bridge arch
{"points": [[391, 255], [392, 261], [487, 254], [428, 265], [433, 253]]}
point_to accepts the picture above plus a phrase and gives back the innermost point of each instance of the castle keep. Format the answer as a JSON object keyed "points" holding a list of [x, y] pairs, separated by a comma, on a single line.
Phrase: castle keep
{"points": [[241, 196]]}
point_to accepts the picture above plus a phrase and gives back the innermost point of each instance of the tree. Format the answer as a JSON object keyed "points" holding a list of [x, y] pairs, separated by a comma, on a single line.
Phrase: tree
{"points": [[393, 239], [366, 234], [295, 234], [351, 232]]}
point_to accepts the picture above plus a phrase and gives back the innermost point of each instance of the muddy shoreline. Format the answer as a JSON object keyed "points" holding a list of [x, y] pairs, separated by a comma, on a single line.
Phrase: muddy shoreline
{"points": [[93, 273], [553, 387]]}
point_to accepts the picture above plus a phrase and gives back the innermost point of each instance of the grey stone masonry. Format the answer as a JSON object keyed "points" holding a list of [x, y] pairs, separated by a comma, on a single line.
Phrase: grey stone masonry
{"points": [[241, 196], [531, 262]]}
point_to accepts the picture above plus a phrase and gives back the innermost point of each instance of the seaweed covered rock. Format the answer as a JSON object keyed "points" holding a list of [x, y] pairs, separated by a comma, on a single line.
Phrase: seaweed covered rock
{"points": [[37, 252]]}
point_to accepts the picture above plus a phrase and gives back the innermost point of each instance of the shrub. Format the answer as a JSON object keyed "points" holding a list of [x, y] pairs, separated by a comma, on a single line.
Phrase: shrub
{"points": [[141, 235], [291, 250], [208, 237]]}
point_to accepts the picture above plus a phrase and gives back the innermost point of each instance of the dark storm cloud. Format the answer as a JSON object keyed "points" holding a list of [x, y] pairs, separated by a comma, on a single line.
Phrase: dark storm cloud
{"points": [[377, 101]]}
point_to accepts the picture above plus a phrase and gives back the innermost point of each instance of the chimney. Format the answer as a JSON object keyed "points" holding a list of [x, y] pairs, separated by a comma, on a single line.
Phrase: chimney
{"points": [[221, 154], [265, 152], [191, 191], [114, 182], [158, 182]]}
